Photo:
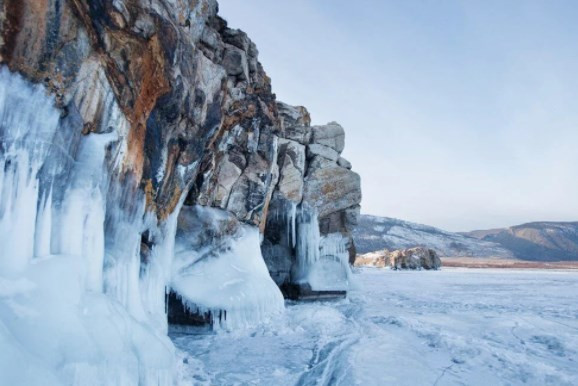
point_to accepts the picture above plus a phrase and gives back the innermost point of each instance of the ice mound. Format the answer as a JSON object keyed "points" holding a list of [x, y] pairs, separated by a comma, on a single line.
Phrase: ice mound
{"points": [[227, 277]]}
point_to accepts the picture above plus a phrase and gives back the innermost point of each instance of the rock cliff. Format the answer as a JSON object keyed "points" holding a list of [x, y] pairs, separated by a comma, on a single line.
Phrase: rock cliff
{"points": [[146, 136]]}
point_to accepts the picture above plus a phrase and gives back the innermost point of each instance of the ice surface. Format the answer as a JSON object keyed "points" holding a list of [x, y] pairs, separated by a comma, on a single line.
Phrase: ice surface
{"points": [[448, 327]]}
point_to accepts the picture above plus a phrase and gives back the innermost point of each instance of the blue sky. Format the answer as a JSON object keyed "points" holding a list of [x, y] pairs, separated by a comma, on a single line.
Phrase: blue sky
{"points": [[458, 114]]}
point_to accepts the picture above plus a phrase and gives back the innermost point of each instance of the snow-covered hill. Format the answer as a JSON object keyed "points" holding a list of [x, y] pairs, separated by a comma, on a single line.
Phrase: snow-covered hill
{"points": [[537, 241], [374, 233]]}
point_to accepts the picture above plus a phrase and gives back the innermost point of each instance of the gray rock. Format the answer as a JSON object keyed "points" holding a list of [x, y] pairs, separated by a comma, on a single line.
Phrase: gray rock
{"points": [[315, 149], [352, 216], [412, 258], [330, 188], [331, 135], [415, 258], [292, 116], [278, 260], [291, 163], [235, 62], [344, 163], [301, 134], [237, 38]]}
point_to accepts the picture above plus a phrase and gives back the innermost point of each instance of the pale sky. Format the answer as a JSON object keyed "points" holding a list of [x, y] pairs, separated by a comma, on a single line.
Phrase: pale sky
{"points": [[458, 114]]}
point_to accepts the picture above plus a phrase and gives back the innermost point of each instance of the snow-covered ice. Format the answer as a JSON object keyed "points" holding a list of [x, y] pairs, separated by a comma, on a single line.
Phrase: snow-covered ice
{"points": [[454, 326]]}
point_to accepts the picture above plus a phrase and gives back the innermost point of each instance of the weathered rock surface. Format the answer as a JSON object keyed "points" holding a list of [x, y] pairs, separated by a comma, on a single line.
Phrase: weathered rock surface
{"points": [[412, 258], [331, 135], [195, 119], [312, 183]]}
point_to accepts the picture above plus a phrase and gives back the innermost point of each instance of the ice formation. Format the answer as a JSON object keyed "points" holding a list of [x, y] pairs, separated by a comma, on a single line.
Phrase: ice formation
{"points": [[72, 305], [80, 302], [321, 261], [226, 278]]}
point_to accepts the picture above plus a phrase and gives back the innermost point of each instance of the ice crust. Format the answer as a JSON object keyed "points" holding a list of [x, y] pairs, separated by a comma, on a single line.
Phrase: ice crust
{"points": [[449, 327]]}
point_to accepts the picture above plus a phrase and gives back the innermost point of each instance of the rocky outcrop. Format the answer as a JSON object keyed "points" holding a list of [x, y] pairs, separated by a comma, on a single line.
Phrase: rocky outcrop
{"points": [[316, 188], [412, 258], [190, 99], [190, 121], [144, 154]]}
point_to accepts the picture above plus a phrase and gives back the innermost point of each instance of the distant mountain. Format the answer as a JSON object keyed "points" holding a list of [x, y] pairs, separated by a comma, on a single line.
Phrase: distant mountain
{"points": [[374, 233], [537, 241]]}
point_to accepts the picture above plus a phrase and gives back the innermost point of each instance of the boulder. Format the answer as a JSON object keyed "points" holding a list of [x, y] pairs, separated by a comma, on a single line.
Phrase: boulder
{"points": [[235, 62], [330, 188], [344, 163], [331, 135], [412, 258], [293, 116]]}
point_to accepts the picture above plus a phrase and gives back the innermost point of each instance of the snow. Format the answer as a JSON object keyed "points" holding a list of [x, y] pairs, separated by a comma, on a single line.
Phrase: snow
{"points": [[454, 326]]}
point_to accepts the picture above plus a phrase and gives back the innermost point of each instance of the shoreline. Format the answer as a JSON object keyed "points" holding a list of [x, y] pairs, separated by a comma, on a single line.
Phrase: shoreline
{"points": [[472, 262]]}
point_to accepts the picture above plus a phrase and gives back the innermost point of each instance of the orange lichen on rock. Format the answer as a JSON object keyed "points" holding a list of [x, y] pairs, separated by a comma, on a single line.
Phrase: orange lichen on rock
{"points": [[153, 84]]}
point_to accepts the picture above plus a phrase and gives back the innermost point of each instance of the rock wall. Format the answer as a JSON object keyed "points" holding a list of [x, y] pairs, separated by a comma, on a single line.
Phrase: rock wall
{"points": [[143, 150], [314, 181], [194, 119]]}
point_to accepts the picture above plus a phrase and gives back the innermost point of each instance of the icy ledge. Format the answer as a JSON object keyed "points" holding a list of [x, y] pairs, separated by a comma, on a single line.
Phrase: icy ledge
{"points": [[226, 278]]}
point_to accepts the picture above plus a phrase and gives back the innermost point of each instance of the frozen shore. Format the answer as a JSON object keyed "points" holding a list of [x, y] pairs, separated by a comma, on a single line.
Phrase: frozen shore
{"points": [[455, 326]]}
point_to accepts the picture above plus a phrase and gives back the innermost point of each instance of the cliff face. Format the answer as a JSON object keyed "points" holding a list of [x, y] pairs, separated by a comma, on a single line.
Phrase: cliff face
{"points": [[315, 204], [141, 139], [188, 91]]}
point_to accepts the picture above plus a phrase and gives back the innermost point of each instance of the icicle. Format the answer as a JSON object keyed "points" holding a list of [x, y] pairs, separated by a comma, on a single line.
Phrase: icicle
{"points": [[157, 274], [52, 209], [26, 138], [307, 243], [292, 219], [232, 284]]}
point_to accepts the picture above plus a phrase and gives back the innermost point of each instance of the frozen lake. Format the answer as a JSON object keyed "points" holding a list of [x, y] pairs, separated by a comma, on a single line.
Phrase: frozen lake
{"points": [[450, 327]]}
